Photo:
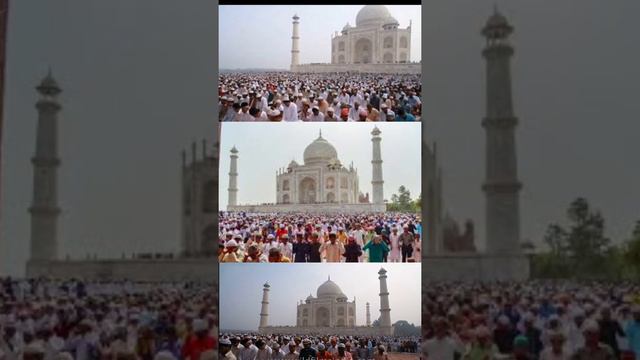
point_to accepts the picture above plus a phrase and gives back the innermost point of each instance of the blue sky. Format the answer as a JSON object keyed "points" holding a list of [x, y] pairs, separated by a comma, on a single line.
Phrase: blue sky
{"points": [[241, 290], [260, 36], [265, 147]]}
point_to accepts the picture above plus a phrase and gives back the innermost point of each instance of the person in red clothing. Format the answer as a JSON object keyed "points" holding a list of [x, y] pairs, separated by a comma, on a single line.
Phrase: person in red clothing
{"points": [[198, 342]]}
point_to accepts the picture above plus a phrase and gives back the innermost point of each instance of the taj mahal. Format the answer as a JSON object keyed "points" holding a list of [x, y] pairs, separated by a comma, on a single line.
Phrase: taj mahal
{"points": [[376, 44], [331, 312], [321, 184]]}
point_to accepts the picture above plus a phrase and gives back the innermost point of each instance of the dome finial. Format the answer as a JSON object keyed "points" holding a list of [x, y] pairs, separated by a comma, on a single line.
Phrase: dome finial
{"points": [[320, 136], [329, 278]]}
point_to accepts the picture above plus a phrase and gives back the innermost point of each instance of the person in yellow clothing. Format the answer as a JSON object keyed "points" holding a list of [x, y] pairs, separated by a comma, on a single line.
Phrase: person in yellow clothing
{"points": [[230, 253], [275, 256], [342, 236]]}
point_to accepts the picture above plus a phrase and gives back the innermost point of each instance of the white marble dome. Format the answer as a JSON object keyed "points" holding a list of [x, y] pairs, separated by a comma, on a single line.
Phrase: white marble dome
{"points": [[319, 151], [329, 289], [372, 14]]}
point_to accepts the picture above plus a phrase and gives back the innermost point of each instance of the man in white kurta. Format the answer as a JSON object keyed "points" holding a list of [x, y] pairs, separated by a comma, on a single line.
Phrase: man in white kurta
{"points": [[290, 110], [333, 249]]}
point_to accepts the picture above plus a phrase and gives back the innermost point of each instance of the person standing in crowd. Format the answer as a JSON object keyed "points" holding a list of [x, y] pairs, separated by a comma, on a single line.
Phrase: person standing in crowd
{"points": [[301, 248], [315, 248], [352, 251], [633, 331], [275, 256], [442, 346], [225, 350], [293, 353], [290, 110], [406, 243], [307, 352], [593, 349], [332, 249], [609, 330], [557, 349], [199, 342], [376, 249], [404, 116], [316, 116]]}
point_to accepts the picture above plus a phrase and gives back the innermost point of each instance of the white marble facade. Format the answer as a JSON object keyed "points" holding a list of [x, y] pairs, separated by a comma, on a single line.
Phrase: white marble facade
{"points": [[330, 308], [321, 179], [375, 39]]}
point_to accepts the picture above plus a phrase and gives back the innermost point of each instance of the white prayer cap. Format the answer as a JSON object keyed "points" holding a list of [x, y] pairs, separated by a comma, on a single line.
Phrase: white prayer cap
{"points": [[225, 341], [330, 109], [285, 98], [275, 112], [384, 105], [315, 107], [270, 236], [231, 243], [237, 236]]}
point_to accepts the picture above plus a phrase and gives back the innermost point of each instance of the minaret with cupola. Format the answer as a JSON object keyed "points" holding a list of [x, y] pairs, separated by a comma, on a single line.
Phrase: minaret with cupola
{"points": [[44, 208], [501, 186]]}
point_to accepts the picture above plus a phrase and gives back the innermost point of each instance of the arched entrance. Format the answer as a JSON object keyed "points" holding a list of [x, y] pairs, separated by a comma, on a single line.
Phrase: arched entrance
{"points": [[307, 191], [322, 317], [363, 51]]}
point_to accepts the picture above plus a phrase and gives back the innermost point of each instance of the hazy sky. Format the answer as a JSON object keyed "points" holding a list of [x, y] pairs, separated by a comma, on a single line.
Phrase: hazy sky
{"points": [[139, 82], [575, 81], [241, 291], [260, 36], [266, 147]]}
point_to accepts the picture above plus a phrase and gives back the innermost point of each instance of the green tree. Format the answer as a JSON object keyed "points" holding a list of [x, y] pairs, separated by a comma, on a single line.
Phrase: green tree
{"points": [[580, 251], [403, 328], [556, 239], [632, 251], [586, 241], [401, 201]]}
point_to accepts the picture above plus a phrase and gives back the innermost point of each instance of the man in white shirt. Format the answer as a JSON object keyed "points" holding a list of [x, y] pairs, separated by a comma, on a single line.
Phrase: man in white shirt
{"points": [[244, 114], [333, 249], [261, 102], [290, 110], [330, 116], [442, 346], [315, 114], [286, 248]]}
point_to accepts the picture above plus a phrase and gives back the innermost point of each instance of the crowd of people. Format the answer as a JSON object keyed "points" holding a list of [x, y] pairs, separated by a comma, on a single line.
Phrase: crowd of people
{"points": [[302, 237], [561, 320], [49, 319], [281, 96], [312, 347]]}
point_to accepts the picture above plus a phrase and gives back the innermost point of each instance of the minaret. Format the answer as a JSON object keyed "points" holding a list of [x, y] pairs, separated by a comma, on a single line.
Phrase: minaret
{"points": [[233, 178], [264, 312], [44, 207], [385, 311], [368, 316], [376, 161], [501, 186], [295, 42]]}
